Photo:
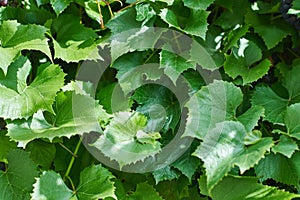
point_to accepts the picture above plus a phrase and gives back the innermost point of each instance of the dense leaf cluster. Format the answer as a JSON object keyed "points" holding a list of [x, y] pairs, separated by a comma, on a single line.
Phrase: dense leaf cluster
{"points": [[237, 73]]}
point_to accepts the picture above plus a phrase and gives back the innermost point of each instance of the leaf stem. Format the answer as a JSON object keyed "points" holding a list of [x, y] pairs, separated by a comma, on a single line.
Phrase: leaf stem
{"points": [[72, 160], [72, 184], [67, 149], [100, 15]]}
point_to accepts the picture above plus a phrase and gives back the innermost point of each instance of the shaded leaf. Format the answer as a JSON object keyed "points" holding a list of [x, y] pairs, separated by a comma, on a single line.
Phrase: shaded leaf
{"points": [[286, 146]]}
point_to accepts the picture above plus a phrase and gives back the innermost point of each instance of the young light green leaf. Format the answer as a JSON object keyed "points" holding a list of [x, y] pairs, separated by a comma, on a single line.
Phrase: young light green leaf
{"points": [[15, 37], [121, 135], [95, 183], [74, 114], [237, 188], [50, 185], [286, 146], [196, 25], [38, 95], [144, 191], [166, 173], [280, 168], [14, 183]]}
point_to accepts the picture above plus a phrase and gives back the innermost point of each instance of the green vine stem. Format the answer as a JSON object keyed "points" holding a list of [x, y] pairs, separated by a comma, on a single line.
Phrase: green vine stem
{"points": [[100, 15], [72, 161]]}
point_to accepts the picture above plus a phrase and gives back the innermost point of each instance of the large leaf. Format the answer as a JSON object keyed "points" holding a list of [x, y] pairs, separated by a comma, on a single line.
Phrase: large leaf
{"points": [[166, 173], [198, 4], [160, 106], [237, 188], [223, 147], [6, 145], [144, 191], [15, 37], [14, 183], [215, 103], [196, 24], [240, 63], [59, 5], [280, 168], [286, 146], [275, 105], [50, 186], [291, 120], [19, 100], [74, 114], [95, 183], [126, 141]]}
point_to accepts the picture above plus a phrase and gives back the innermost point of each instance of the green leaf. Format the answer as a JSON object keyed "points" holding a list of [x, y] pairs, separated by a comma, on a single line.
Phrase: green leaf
{"points": [[196, 24], [95, 183], [240, 63], [123, 134], [295, 9], [280, 168], [74, 42], [214, 103], [17, 181], [166, 173], [198, 4], [80, 87], [291, 120], [132, 71], [174, 65], [15, 37], [50, 186], [237, 188], [59, 5], [20, 100], [271, 31], [160, 106], [250, 118], [187, 164], [42, 153], [66, 122], [286, 146], [144, 191], [6, 145], [144, 12], [219, 150], [274, 105]]}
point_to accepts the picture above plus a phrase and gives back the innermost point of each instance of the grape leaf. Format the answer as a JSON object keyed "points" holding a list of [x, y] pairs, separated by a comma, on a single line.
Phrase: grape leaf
{"points": [[59, 5], [42, 153], [73, 41], [14, 183], [292, 120], [236, 188], [274, 105], [144, 191], [240, 63], [215, 103], [286, 146], [15, 37], [271, 31], [144, 12], [20, 100], [125, 141], [166, 173], [6, 146], [174, 65], [67, 121], [279, 168], [196, 24], [295, 9], [160, 106], [50, 186], [223, 147], [95, 183], [219, 149], [198, 4]]}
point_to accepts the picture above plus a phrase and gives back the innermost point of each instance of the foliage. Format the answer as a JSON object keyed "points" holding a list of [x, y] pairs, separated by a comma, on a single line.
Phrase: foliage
{"points": [[223, 74]]}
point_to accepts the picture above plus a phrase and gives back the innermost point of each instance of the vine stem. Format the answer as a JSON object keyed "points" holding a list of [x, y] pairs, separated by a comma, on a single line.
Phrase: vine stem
{"points": [[72, 160], [101, 16]]}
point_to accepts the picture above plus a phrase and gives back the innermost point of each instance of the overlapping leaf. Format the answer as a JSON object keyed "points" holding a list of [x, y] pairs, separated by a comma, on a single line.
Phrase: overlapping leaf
{"points": [[15, 37], [126, 141], [74, 114], [19, 100]]}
